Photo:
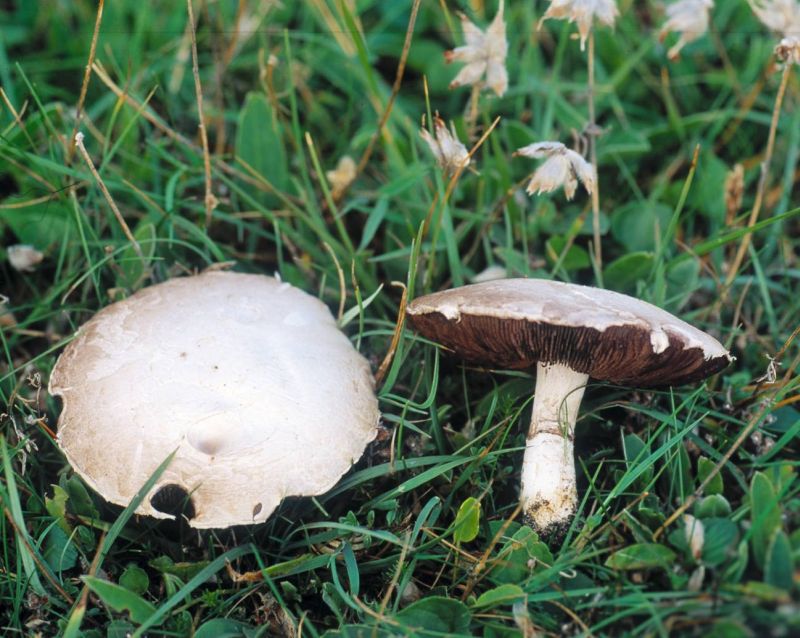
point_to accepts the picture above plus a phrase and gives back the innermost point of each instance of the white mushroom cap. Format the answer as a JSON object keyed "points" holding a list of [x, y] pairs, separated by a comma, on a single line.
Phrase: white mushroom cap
{"points": [[248, 378]]}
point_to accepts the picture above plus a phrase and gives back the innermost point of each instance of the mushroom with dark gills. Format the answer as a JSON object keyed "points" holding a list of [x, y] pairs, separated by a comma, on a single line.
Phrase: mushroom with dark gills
{"points": [[249, 379], [569, 333]]}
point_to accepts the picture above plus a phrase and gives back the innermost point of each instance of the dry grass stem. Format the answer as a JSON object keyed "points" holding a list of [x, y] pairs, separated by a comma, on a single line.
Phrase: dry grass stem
{"points": [[17, 116], [87, 74], [123, 224], [398, 81], [398, 332], [592, 134], [762, 184], [210, 200]]}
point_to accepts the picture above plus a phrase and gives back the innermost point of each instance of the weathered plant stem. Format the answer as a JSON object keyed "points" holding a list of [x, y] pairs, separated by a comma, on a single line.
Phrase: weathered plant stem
{"points": [[762, 183], [592, 135]]}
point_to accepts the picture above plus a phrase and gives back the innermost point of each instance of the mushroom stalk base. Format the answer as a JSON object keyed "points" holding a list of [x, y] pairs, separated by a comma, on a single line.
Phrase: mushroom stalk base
{"points": [[548, 494]]}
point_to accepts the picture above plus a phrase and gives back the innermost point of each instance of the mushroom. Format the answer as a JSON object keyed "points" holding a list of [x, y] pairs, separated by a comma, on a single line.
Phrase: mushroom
{"points": [[569, 333], [249, 379]]}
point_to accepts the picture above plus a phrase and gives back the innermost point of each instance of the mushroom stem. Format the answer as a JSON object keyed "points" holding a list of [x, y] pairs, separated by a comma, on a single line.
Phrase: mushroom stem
{"points": [[548, 494]]}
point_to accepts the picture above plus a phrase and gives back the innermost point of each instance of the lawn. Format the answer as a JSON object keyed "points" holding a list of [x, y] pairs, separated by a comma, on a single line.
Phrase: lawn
{"points": [[310, 165]]}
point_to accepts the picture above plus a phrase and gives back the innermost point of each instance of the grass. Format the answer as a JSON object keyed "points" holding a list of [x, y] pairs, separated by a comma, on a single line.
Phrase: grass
{"points": [[423, 536]]}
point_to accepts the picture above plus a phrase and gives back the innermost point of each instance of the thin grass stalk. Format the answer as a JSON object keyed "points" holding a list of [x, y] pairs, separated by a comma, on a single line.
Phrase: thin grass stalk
{"points": [[210, 200], [120, 219], [87, 74], [598, 250], [398, 81], [762, 183]]}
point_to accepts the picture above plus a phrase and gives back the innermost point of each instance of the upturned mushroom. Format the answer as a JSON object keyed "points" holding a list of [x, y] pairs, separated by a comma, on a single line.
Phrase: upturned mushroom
{"points": [[569, 333], [249, 379]]}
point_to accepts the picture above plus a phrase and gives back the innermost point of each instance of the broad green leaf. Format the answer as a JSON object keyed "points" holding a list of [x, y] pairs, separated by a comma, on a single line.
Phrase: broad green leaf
{"points": [[134, 579], [259, 143], [682, 280], [706, 192], [120, 599], [622, 274], [502, 595], [641, 556], [57, 507], [59, 551], [222, 628], [119, 629], [357, 631], [467, 521], [704, 468], [79, 499], [729, 629], [575, 259], [514, 558], [636, 225], [184, 571], [435, 614], [712, 506], [794, 540], [765, 515], [42, 225], [721, 539], [779, 564]]}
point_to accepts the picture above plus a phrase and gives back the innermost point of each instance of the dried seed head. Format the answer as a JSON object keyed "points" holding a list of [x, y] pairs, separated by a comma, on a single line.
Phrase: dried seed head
{"points": [[483, 53], [782, 16], [342, 176], [582, 12], [450, 153], [690, 19], [562, 167], [788, 50], [771, 374], [24, 258], [734, 192]]}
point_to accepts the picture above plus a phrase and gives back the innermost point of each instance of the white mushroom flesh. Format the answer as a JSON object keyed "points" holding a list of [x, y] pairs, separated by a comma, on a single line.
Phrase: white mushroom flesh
{"points": [[548, 494], [248, 378]]}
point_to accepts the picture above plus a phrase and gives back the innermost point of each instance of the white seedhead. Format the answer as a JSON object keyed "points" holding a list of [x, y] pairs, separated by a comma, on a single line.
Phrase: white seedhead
{"points": [[690, 19], [582, 13], [448, 150], [562, 167], [484, 54]]}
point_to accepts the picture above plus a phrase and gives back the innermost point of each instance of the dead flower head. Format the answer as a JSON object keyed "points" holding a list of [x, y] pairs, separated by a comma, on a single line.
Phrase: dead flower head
{"points": [[342, 176], [582, 12], [562, 167], [450, 153], [782, 16], [788, 50], [483, 53], [690, 19], [24, 258]]}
